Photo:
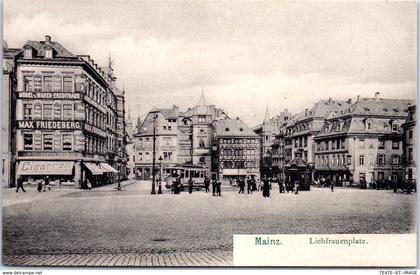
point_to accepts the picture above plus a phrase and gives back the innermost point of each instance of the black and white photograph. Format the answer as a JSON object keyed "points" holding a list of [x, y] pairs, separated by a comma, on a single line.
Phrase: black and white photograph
{"points": [[209, 133]]}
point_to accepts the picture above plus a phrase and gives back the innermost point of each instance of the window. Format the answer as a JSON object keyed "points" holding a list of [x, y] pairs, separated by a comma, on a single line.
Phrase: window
{"points": [[167, 155], [395, 159], [48, 141], [67, 142], [169, 128], [410, 154], [410, 134], [48, 53], [28, 83], [48, 111], [201, 118], [67, 84], [164, 128], [227, 129], [369, 125], [361, 143], [395, 127], [28, 141], [27, 111], [27, 53], [381, 144], [361, 160], [57, 83], [395, 144], [381, 159], [48, 84]]}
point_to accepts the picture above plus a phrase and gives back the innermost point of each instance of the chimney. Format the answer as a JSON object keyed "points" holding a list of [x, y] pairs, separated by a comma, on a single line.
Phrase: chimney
{"points": [[358, 98], [47, 39], [349, 101], [377, 95], [329, 100], [237, 118], [306, 112]]}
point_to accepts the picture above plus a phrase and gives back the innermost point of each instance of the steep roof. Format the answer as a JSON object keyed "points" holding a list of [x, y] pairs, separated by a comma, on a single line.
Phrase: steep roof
{"points": [[41, 46], [378, 107], [233, 128]]}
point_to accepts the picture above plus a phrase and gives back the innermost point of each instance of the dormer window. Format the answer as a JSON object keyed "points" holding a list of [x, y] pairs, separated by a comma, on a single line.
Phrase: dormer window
{"points": [[227, 129], [27, 52], [241, 129], [48, 53]]}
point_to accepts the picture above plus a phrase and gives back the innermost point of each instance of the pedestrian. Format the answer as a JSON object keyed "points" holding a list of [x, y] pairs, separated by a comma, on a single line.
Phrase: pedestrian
{"points": [[47, 183], [254, 184], [280, 187], [88, 184], [213, 185], [332, 186], [296, 187], [207, 184], [118, 184], [20, 184], [219, 188], [39, 185], [241, 185], [249, 184], [266, 188], [190, 185]]}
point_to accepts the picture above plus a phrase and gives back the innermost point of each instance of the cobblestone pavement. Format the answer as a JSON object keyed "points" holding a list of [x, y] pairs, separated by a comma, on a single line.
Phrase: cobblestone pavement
{"points": [[131, 227]]}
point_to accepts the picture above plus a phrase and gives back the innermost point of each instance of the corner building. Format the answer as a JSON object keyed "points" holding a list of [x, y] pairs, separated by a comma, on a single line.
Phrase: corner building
{"points": [[66, 116]]}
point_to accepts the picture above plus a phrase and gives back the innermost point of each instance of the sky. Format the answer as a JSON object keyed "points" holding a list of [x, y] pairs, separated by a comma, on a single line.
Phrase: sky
{"points": [[245, 56]]}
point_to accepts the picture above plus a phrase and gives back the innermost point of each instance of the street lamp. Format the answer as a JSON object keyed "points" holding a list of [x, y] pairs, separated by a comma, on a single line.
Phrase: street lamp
{"points": [[160, 175]]}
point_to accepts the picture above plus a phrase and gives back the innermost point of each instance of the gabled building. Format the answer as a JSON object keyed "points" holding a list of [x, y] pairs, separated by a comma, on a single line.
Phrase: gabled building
{"points": [[237, 150], [157, 138], [363, 140], [65, 117]]}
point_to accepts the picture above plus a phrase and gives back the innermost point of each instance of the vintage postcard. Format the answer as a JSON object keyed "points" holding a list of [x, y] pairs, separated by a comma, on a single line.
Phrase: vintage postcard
{"points": [[209, 133]]}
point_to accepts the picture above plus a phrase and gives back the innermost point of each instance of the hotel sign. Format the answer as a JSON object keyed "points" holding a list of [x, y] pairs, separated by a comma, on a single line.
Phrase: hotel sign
{"points": [[40, 95], [49, 125]]}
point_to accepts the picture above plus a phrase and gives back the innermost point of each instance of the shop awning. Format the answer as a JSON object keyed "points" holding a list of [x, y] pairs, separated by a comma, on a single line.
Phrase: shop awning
{"points": [[107, 168], [93, 168], [27, 167]]}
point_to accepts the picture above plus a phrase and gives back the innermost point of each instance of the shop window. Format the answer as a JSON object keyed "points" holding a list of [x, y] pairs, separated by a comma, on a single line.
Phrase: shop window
{"points": [[47, 139], [28, 141], [67, 142], [47, 111], [67, 111], [48, 84], [395, 144], [28, 83], [67, 84], [27, 111]]}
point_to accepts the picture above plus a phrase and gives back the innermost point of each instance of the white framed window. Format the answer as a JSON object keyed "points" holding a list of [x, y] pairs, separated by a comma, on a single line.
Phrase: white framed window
{"points": [[48, 53], [27, 111], [48, 84], [47, 139], [47, 111], [361, 160], [67, 141], [68, 111]]}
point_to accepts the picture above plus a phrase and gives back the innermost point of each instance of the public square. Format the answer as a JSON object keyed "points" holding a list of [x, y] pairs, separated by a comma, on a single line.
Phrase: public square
{"points": [[106, 227]]}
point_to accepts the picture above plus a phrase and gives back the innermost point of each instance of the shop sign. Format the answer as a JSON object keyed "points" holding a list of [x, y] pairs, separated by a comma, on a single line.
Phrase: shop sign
{"points": [[38, 95], [95, 130], [47, 125]]}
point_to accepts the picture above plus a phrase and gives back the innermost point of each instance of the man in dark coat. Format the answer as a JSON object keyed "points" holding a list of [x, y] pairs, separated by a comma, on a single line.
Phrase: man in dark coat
{"points": [[249, 184], [241, 185], [214, 184], [20, 184], [190, 185], [266, 188], [207, 183], [219, 188]]}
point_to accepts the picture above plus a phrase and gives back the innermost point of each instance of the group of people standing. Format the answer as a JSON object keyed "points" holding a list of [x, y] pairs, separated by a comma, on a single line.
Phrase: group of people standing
{"points": [[42, 185]]}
